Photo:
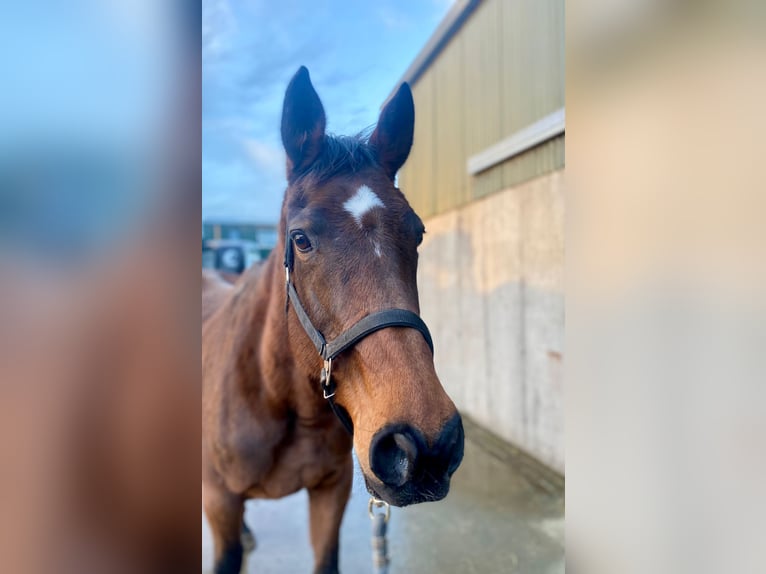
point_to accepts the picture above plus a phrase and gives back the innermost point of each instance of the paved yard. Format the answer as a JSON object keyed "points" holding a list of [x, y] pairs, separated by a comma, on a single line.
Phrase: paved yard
{"points": [[504, 513]]}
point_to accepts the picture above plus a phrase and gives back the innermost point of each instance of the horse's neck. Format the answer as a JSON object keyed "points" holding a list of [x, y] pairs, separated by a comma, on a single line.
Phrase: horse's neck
{"points": [[281, 373], [258, 298]]}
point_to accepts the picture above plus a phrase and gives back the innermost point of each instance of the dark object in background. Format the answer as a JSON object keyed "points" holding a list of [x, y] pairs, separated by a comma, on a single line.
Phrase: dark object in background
{"points": [[230, 259], [228, 256]]}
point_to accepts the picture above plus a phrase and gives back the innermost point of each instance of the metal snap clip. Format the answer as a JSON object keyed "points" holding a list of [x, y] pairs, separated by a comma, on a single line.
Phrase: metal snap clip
{"points": [[324, 379], [374, 502]]}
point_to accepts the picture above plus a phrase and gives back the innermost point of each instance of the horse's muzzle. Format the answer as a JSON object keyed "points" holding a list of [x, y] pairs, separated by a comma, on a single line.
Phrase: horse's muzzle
{"points": [[407, 470]]}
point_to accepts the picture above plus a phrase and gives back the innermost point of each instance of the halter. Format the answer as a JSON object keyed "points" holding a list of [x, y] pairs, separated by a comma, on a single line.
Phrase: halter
{"points": [[348, 338]]}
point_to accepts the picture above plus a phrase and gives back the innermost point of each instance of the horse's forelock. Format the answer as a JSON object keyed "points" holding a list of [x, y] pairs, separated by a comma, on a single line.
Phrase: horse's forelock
{"points": [[340, 155]]}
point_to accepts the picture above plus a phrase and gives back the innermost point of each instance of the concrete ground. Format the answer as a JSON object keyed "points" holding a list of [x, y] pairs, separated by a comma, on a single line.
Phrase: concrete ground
{"points": [[504, 513]]}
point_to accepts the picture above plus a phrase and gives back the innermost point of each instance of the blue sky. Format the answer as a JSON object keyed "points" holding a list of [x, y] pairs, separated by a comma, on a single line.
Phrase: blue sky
{"points": [[355, 50]]}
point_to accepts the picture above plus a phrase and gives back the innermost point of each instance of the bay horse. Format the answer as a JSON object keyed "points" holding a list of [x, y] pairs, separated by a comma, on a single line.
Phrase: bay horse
{"points": [[283, 405]]}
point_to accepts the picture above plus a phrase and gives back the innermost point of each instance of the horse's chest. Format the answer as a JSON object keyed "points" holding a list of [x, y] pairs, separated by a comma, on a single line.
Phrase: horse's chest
{"points": [[305, 460]]}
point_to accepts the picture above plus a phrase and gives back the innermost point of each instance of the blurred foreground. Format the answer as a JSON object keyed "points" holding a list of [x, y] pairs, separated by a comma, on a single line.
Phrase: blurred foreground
{"points": [[99, 299], [666, 314]]}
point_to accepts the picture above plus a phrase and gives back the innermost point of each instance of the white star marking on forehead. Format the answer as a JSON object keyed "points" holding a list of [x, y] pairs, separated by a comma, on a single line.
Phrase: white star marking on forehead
{"points": [[361, 202]]}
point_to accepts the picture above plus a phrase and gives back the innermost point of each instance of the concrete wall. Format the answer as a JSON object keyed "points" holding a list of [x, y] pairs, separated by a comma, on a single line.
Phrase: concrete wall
{"points": [[491, 290]]}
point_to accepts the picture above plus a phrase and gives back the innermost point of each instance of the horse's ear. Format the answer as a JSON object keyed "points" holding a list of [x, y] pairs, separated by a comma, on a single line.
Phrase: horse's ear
{"points": [[392, 138], [303, 123]]}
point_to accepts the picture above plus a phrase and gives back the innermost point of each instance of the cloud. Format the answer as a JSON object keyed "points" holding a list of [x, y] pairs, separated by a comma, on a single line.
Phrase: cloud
{"points": [[356, 52], [393, 19], [218, 26], [267, 157], [238, 190]]}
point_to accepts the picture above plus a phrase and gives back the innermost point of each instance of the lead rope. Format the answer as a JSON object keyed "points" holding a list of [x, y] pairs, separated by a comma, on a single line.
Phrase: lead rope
{"points": [[380, 561]]}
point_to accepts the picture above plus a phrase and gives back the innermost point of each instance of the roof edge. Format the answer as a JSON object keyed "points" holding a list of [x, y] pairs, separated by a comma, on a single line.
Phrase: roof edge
{"points": [[447, 28]]}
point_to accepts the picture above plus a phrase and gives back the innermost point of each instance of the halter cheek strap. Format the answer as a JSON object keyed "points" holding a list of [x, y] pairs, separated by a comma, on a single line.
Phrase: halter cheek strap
{"points": [[350, 337]]}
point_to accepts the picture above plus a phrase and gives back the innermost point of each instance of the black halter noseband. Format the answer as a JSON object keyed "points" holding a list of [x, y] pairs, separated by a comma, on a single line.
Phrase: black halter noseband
{"points": [[350, 337]]}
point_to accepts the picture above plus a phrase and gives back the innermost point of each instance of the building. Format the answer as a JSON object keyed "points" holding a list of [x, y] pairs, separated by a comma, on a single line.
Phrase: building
{"points": [[260, 238], [486, 176]]}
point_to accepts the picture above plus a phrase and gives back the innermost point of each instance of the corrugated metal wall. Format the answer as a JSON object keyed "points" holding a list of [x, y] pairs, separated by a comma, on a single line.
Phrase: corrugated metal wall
{"points": [[502, 71]]}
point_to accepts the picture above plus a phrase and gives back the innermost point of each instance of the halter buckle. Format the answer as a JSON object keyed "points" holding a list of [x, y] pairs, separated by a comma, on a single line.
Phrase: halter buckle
{"points": [[324, 379], [287, 274]]}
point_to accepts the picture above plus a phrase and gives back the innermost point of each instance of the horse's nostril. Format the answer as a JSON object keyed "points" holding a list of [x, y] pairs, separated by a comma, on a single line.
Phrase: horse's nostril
{"points": [[406, 446], [393, 456], [451, 443], [400, 455]]}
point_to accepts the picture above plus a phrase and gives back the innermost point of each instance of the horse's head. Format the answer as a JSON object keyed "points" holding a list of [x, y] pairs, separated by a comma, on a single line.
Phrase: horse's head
{"points": [[354, 239]]}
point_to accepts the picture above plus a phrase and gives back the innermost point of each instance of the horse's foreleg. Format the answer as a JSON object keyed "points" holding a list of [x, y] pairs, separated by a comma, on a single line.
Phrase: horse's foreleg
{"points": [[326, 505], [248, 538], [224, 513]]}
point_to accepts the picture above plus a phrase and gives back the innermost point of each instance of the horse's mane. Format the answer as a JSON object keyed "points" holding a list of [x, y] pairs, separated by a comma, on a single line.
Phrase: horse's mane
{"points": [[340, 155]]}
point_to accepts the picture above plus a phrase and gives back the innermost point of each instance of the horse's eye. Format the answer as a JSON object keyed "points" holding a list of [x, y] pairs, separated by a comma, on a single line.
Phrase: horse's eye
{"points": [[301, 241]]}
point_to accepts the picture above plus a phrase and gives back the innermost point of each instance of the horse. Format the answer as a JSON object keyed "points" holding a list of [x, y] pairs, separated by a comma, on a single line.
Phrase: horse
{"points": [[323, 350]]}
